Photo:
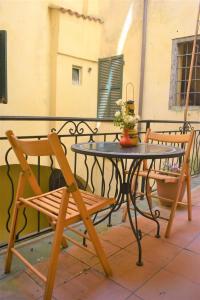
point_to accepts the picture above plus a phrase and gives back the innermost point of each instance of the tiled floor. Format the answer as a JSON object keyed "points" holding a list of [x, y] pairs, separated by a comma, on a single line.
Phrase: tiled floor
{"points": [[171, 269]]}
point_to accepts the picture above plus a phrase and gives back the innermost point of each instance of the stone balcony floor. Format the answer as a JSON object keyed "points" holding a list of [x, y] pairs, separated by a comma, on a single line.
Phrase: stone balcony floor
{"points": [[171, 268]]}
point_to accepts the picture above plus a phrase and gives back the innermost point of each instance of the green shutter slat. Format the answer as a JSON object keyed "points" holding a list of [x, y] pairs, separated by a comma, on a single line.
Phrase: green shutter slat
{"points": [[3, 66], [110, 75]]}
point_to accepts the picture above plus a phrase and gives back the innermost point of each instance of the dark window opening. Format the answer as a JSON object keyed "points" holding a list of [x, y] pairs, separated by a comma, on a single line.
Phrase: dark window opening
{"points": [[3, 67], [76, 75]]}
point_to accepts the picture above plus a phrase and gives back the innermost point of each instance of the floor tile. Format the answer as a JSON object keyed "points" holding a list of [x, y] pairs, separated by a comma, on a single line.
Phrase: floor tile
{"points": [[182, 234], [42, 298], [127, 273], [144, 224], [108, 246], [157, 251], [20, 287], [89, 258], [186, 264], [168, 286], [195, 245], [134, 297], [120, 236], [68, 267], [91, 285]]}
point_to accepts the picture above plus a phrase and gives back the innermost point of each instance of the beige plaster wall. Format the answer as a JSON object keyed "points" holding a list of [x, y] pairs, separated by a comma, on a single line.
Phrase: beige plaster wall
{"points": [[27, 56], [78, 45], [81, 42], [29, 33], [122, 35], [76, 100], [167, 20], [27, 25]]}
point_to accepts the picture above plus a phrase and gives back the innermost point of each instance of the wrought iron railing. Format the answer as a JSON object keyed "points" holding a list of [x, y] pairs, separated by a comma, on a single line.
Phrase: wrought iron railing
{"points": [[91, 173]]}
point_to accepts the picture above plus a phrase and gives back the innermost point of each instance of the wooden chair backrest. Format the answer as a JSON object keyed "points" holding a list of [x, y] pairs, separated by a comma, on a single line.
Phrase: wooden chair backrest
{"points": [[46, 147], [183, 139]]}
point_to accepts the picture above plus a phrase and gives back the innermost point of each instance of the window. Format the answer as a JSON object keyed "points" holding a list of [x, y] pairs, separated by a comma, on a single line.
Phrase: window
{"points": [[3, 71], [76, 75], [110, 76], [181, 59]]}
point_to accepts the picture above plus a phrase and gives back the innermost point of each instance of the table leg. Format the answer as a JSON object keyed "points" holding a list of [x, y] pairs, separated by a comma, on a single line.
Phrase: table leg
{"points": [[153, 214], [137, 234]]}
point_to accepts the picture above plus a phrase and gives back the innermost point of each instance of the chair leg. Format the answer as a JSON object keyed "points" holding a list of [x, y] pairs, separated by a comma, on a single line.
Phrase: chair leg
{"points": [[173, 209], [11, 241], [125, 213], [97, 245], [149, 191], [189, 199], [58, 238], [53, 263], [64, 242]]}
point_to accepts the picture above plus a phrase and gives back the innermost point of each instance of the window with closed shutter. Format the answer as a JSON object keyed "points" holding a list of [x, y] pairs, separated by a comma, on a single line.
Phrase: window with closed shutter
{"points": [[3, 67], [110, 76]]}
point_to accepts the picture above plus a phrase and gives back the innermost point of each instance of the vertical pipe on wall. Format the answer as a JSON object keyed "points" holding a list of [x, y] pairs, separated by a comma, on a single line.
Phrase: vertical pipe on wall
{"points": [[143, 53], [191, 65], [85, 7], [54, 39]]}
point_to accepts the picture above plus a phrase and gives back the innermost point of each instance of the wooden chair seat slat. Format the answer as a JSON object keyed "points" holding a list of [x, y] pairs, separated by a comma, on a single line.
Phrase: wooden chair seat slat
{"points": [[158, 175], [45, 205], [49, 201], [44, 202]]}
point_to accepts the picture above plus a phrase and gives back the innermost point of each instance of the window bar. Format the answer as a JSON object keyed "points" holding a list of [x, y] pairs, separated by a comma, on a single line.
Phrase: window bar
{"points": [[195, 78], [179, 79], [186, 63]]}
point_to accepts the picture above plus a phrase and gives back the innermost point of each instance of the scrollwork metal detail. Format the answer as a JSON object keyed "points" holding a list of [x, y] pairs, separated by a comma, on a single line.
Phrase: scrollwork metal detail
{"points": [[76, 129]]}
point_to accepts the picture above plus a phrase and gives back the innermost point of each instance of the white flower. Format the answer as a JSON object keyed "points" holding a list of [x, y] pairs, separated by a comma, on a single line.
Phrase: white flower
{"points": [[123, 109], [125, 117], [129, 119], [119, 102], [117, 114]]}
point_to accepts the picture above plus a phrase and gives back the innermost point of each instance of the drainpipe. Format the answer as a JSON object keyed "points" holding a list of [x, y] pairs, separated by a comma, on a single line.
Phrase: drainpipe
{"points": [[54, 26], [85, 7], [143, 53]]}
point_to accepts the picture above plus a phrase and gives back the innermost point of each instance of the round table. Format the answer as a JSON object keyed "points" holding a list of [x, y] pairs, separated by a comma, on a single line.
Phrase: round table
{"points": [[118, 154]]}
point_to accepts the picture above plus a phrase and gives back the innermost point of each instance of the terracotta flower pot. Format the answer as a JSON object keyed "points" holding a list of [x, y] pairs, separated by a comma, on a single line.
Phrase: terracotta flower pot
{"points": [[169, 190], [129, 137]]}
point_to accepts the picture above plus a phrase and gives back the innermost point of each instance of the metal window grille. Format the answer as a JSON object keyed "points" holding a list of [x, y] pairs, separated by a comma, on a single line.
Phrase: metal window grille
{"points": [[184, 55]]}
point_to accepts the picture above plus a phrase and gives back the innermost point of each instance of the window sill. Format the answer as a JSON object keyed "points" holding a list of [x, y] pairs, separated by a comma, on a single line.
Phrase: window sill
{"points": [[182, 108]]}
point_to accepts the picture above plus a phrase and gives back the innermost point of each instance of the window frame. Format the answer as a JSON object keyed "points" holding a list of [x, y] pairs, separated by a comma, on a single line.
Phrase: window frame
{"points": [[174, 75], [79, 68]]}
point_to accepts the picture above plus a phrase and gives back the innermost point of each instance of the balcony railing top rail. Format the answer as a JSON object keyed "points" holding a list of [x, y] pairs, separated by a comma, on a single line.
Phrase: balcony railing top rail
{"points": [[48, 118]]}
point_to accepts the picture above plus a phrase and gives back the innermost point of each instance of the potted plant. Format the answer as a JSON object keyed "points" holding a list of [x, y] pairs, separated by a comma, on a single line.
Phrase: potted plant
{"points": [[167, 189], [126, 119]]}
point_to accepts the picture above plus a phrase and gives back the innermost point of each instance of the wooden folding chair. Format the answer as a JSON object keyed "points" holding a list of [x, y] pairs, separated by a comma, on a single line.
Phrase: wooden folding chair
{"points": [[64, 206], [182, 140]]}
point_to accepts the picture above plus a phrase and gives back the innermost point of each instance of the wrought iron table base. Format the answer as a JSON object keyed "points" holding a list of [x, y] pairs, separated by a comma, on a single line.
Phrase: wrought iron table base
{"points": [[130, 159], [125, 194]]}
